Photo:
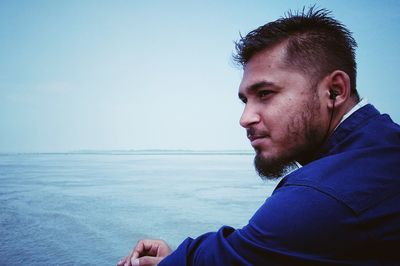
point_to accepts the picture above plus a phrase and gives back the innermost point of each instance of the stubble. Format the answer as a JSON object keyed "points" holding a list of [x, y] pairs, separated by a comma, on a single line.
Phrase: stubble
{"points": [[305, 134]]}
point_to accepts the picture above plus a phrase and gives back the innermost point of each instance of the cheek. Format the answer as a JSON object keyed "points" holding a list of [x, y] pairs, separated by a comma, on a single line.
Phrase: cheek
{"points": [[286, 117], [286, 107], [305, 120], [291, 125]]}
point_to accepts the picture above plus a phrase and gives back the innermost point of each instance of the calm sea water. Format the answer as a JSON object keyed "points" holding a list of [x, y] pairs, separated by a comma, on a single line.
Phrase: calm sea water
{"points": [[90, 209]]}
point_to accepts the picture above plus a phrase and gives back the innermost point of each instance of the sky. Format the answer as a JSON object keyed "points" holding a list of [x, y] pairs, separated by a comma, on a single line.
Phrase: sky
{"points": [[107, 75]]}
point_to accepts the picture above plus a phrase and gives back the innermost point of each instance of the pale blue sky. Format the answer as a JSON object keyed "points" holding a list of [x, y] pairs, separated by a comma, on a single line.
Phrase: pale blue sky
{"points": [[154, 74]]}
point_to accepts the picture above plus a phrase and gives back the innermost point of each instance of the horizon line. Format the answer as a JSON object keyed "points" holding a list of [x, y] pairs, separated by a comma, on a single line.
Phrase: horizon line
{"points": [[142, 152]]}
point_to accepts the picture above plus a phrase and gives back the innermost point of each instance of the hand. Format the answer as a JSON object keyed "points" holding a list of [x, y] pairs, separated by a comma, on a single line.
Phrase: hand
{"points": [[147, 252]]}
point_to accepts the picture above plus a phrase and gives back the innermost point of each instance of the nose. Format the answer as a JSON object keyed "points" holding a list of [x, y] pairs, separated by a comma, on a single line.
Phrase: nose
{"points": [[249, 116]]}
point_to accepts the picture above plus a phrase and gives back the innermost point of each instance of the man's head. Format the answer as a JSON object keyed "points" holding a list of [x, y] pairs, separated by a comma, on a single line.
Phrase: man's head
{"points": [[291, 67], [316, 44]]}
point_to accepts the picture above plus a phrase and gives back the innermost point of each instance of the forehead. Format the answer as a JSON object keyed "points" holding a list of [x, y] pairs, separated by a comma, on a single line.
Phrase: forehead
{"points": [[269, 66], [272, 57]]}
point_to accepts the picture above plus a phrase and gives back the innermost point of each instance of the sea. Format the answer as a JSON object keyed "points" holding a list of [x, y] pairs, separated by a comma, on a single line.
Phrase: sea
{"points": [[91, 207]]}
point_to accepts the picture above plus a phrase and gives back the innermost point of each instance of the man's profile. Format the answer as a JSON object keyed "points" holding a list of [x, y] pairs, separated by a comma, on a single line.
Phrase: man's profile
{"points": [[301, 106]]}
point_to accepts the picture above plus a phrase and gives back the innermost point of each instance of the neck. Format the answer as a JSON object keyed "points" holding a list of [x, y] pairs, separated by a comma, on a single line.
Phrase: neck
{"points": [[338, 112]]}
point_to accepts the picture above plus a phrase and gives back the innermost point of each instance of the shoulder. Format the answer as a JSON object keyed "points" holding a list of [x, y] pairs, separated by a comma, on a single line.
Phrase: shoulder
{"points": [[361, 164], [307, 220], [297, 207]]}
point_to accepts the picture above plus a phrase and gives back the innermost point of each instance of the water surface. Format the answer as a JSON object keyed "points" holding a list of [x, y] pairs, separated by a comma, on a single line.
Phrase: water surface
{"points": [[91, 208]]}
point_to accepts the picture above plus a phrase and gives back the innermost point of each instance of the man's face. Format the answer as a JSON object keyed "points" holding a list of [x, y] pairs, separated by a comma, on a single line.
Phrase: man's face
{"points": [[282, 113]]}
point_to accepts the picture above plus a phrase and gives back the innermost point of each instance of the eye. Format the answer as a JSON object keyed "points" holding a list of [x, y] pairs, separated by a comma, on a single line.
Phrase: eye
{"points": [[264, 93]]}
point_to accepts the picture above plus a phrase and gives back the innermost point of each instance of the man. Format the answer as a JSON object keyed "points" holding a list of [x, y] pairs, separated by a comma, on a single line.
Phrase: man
{"points": [[342, 207]]}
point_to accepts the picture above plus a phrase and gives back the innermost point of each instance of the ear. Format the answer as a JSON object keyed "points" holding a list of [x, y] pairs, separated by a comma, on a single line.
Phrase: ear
{"points": [[338, 88]]}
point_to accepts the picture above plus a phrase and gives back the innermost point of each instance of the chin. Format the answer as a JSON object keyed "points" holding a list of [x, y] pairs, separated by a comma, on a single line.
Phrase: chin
{"points": [[272, 167], [264, 153]]}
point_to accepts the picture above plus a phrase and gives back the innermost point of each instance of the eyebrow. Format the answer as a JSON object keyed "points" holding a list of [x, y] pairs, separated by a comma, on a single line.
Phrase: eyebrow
{"points": [[256, 86]]}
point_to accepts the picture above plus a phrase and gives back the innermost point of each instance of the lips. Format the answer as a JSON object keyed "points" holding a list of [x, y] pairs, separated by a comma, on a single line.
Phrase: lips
{"points": [[255, 136]]}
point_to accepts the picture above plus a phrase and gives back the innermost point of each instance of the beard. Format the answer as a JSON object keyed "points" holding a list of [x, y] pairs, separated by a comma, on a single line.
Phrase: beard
{"points": [[272, 169], [303, 128]]}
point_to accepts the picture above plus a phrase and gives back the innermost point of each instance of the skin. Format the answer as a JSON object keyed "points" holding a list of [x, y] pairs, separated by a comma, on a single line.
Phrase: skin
{"points": [[283, 115], [286, 116], [147, 252]]}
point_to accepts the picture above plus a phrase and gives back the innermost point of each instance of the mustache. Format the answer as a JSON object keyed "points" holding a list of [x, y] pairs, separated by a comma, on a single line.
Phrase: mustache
{"points": [[252, 132]]}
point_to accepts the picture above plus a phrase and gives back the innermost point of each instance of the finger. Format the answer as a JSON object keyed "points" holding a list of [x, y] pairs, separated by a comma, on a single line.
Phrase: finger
{"points": [[136, 251], [135, 262], [148, 261], [128, 259], [155, 248], [121, 262]]}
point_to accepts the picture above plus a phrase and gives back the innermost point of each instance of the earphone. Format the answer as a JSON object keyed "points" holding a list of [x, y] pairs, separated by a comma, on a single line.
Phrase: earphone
{"points": [[332, 94]]}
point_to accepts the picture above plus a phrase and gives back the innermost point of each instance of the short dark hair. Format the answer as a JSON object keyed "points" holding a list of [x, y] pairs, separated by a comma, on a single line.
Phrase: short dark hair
{"points": [[316, 44]]}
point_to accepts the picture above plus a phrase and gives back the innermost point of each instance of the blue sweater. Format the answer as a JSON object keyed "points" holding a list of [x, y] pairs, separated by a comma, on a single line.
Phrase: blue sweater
{"points": [[341, 209]]}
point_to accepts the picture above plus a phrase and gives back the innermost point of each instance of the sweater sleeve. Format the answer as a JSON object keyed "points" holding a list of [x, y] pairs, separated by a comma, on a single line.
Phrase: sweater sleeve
{"points": [[296, 225]]}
